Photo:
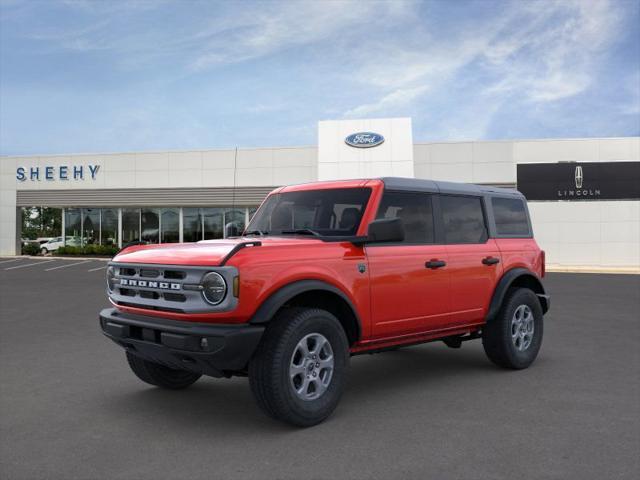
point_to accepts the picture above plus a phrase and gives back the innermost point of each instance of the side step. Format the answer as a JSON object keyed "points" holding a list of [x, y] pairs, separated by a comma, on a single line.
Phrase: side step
{"points": [[456, 340]]}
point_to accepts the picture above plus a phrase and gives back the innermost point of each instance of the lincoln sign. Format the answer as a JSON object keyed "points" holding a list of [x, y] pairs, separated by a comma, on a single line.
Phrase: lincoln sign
{"points": [[580, 181]]}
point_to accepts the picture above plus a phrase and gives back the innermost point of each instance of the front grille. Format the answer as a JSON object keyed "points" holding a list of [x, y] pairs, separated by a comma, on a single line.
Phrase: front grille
{"points": [[174, 297], [174, 274], [168, 288], [147, 273], [149, 294]]}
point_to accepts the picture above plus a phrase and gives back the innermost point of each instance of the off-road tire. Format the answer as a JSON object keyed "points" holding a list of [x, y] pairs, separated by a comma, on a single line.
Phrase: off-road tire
{"points": [[497, 335], [159, 375], [269, 375]]}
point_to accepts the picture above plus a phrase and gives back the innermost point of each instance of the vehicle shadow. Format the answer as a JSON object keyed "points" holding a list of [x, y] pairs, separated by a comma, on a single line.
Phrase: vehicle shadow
{"points": [[228, 405]]}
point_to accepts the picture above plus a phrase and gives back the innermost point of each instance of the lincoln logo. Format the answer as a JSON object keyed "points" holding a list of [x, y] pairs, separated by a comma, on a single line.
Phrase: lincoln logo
{"points": [[579, 191], [579, 177], [149, 284]]}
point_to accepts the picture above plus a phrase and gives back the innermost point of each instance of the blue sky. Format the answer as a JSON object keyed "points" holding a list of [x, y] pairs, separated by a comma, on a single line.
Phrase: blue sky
{"points": [[103, 76]]}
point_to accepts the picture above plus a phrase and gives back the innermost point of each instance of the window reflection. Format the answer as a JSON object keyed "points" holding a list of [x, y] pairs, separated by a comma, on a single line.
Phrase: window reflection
{"points": [[150, 220], [72, 226], [130, 225], [213, 219], [234, 222], [109, 226], [90, 226], [191, 225], [170, 225]]}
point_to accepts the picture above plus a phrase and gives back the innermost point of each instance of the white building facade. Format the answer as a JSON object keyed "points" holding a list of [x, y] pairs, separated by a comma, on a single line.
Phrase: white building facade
{"points": [[583, 194]]}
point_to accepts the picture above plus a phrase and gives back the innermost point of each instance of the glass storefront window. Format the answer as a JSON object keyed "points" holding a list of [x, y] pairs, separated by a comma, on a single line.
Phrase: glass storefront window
{"points": [[86, 226], [90, 226], [109, 226], [170, 225], [213, 220], [191, 225], [150, 225], [130, 225], [234, 221], [72, 226]]}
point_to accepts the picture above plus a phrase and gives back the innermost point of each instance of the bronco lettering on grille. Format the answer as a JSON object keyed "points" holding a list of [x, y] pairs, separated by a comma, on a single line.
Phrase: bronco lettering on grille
{"points": [[149, 284]]}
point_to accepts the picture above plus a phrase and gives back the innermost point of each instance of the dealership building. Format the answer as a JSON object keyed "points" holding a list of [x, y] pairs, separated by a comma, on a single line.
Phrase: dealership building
{"points": [[584, 194]]}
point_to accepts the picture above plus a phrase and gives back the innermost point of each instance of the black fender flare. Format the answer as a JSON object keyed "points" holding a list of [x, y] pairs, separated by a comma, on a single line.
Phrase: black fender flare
{"points": [[507, 280], [280, 297]]}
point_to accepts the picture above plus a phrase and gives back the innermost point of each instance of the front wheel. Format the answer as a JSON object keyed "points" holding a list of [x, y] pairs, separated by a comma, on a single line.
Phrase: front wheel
{"points": [[299, 370], [513, 338], [159, 375], [44, 251]]}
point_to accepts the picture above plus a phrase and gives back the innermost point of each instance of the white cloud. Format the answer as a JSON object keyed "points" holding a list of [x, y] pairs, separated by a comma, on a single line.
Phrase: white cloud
{"points": [[539, 51], [259, 32], [396, 99], [552, 57]]}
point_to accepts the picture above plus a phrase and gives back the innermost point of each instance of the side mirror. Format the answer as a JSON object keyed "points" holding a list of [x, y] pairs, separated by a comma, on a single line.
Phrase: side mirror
{"points": [[385, 230]]}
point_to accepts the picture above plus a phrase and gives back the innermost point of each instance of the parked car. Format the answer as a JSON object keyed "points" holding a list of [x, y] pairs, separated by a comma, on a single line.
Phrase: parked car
{"points": [[56, 242], [325, 271]]}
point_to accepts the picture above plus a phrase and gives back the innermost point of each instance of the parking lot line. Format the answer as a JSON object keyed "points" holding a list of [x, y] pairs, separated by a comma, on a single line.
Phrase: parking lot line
{"points": [[30, 264], [9, 261], [65, 266], [96, 269]]}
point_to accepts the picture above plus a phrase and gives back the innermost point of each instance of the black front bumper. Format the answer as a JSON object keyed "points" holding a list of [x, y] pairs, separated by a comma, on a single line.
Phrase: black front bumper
{"points": [[214, 350]]}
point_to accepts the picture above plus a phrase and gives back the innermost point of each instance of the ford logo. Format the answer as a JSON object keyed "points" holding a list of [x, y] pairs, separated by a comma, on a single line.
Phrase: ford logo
{"points": [[364, 139]]}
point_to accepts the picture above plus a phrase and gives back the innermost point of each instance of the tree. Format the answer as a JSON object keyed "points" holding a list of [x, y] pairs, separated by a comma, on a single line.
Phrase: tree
{"points": [[41, 222]]}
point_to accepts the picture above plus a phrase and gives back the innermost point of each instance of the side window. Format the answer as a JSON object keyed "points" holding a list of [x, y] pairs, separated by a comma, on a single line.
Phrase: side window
{"points": [[346, 217], [510, 216], [416, 212], [463, 219]]}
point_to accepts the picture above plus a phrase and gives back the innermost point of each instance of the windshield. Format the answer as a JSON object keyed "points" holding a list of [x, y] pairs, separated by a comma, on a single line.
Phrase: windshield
{"points": [[333, 212]]}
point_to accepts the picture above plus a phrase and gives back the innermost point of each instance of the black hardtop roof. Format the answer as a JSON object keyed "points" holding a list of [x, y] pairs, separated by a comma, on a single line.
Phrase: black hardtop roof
{"points": [[432, 186]]}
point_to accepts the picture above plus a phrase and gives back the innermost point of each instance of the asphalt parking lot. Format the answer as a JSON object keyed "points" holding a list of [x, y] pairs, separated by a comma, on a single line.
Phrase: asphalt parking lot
{"points": [[71, 409]]}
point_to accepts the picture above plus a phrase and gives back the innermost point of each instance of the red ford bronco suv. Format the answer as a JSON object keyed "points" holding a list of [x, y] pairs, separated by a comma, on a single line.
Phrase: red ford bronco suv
{"points": [[328, 270]]}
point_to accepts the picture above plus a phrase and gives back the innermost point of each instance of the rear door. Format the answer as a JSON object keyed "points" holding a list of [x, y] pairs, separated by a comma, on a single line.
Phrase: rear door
{"points": [[407, 296], [474, 258]]}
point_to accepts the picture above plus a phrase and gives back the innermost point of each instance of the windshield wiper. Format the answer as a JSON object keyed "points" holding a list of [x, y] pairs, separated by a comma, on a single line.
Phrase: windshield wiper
{"points": [[256, 232], [302, 231]]}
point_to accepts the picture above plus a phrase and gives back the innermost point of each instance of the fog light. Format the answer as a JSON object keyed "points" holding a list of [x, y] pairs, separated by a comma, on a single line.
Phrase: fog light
{"points": [[204, 344]]}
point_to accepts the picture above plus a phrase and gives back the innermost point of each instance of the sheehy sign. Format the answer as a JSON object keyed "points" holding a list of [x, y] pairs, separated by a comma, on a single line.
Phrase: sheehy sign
{"points": [[59, 172], [580, 181]]}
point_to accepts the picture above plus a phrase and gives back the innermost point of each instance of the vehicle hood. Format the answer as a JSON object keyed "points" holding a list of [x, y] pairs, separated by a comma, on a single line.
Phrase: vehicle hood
{"points": [[204, 253]]}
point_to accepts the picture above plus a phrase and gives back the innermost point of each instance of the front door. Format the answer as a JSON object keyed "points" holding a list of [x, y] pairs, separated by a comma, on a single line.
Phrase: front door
{"points": [[409, 280]]}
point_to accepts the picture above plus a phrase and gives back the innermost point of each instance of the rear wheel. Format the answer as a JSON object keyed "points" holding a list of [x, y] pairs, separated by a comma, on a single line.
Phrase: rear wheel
{"points": [[159, 375], [513, 338], [299, 370]]}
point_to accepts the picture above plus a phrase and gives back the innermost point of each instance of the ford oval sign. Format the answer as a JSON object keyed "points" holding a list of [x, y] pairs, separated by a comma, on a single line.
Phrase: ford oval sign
{"points": [[364, 139]]}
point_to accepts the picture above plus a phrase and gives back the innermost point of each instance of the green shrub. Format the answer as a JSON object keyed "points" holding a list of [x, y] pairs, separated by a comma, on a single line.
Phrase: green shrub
{"points": [[31, 249], [88, 250]]}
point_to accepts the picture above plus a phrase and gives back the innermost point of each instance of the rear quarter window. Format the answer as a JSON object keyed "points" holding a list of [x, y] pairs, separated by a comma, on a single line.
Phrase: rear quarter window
{"points": [[510, 216]]}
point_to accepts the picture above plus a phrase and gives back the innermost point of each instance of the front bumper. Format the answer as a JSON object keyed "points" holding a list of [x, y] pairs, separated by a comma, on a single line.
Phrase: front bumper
{"points": [[209, 349]]}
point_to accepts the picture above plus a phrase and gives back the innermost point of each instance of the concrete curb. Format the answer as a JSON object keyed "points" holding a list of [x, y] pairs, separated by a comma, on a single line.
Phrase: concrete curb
{"points": [[53, 257], [578, 269]]}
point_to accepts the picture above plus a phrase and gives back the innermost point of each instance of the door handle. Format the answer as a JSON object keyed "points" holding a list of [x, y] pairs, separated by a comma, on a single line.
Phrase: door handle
{"points": [[433, 264], [490, 260]]}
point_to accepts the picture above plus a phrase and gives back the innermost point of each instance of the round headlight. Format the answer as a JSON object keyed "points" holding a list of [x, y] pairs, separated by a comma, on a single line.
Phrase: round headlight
{"points": [[214, 288], [111, 275]]}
